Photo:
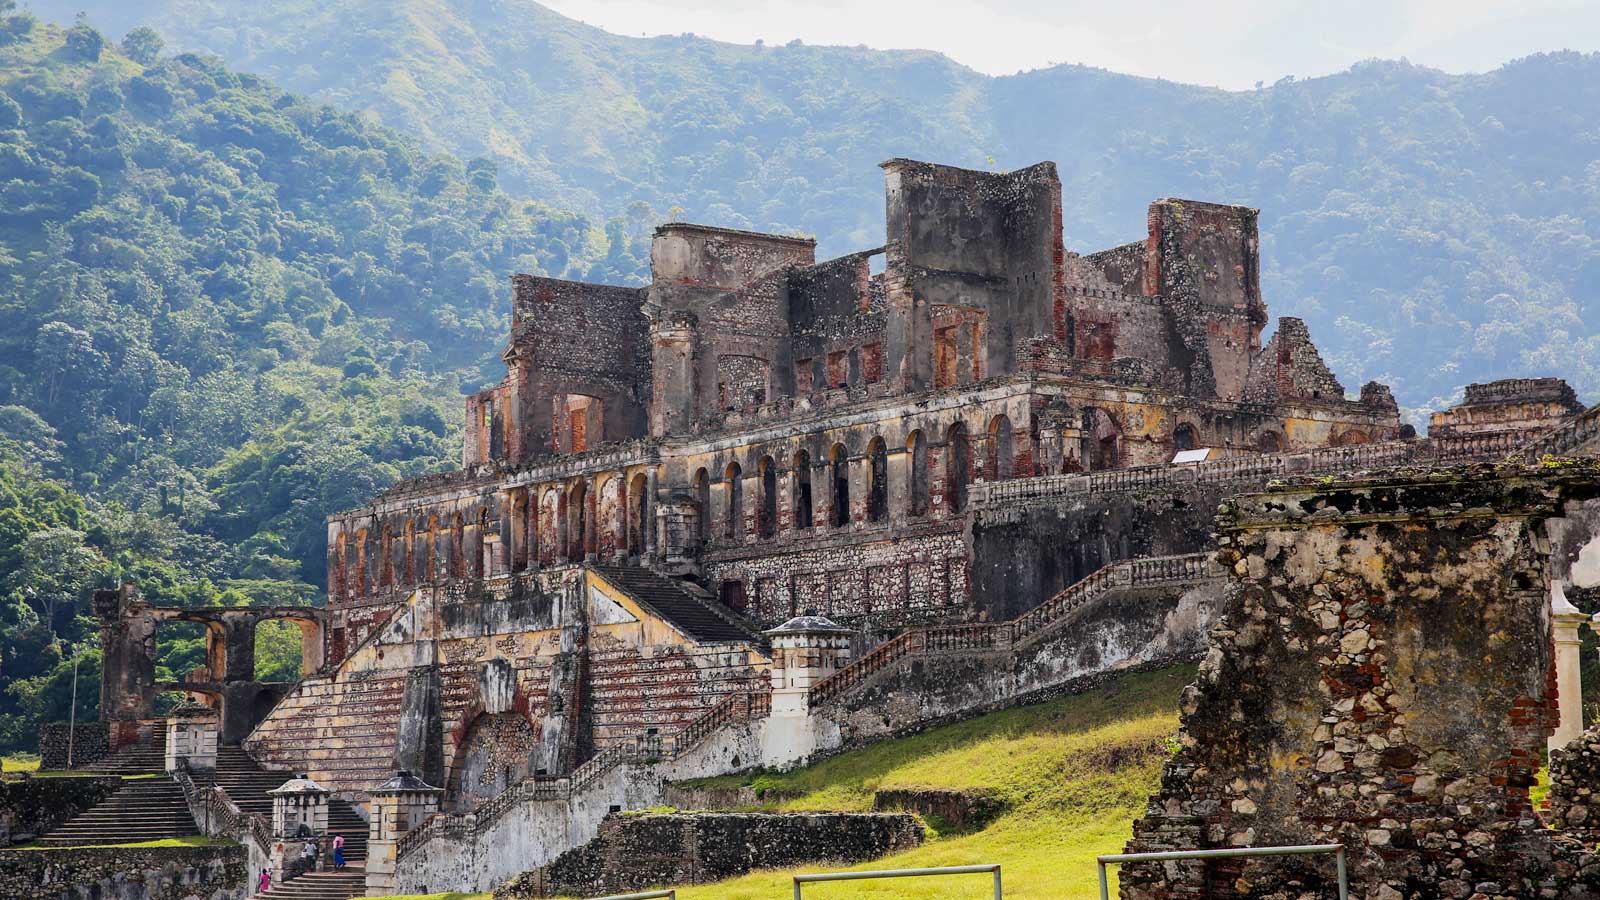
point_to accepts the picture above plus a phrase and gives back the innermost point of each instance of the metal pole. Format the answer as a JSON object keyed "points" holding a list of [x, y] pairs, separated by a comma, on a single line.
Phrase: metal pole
{"points": [[72, 712], [1344, 885], [1105, 892], [996, 883]]}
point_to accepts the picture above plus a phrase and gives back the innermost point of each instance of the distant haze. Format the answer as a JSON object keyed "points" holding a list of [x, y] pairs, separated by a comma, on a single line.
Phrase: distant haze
{"points": [[1226, 43]]}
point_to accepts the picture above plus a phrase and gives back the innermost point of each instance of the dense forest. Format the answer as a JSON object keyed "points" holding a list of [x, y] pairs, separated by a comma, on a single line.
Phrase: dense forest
{"points": [[227, 312], [1432, 228]]}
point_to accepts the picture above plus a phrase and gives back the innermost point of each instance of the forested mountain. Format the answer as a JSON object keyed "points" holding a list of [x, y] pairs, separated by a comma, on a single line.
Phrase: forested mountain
{"points": [[1433, 228], [225, 312]]}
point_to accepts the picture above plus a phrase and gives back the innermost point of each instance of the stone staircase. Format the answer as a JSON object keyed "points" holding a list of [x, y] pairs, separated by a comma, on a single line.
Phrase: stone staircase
{"points": [[247, 784], [344, 884], [143, 809], [681, 603]]}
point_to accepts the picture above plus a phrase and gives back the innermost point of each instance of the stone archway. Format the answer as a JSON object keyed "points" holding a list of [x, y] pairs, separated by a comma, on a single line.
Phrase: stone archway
{"points": [[497, 751]]}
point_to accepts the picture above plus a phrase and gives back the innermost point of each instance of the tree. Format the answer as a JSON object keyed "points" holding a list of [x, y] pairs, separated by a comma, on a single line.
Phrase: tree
{"points": [[143, 45], [85, 43]]}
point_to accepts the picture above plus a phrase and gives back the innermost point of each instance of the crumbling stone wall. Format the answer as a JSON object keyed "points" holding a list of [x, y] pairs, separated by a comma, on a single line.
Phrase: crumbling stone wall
{"points": [[1382, 678], [88, 742], [31, 807], [126, 873], [1575, 788], [635, 852]]}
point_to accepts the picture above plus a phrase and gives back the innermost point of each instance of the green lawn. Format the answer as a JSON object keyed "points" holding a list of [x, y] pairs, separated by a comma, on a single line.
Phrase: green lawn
{"points": [[1076, 772], [21, 762], [198, 840]]}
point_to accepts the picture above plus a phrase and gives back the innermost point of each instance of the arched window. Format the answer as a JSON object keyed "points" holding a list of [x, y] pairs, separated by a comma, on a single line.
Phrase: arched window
{"points": [[733, 515], [1269, 442], [1101, 440], [578, 522], [430, 550], [767, 512], [878, 481], [957, 466], [702, 500], [638, 514], [1184, 438], [458, 533], [917, 448], [839, 476], [550, 524], [480, 548], [1002, 448], [802, 489]]}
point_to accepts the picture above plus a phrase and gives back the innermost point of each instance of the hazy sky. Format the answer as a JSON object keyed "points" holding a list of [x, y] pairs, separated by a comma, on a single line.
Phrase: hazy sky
{"points": [[1231, 43]]}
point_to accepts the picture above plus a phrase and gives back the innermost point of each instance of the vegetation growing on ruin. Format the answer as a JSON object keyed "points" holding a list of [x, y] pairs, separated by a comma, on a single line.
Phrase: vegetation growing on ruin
{"points": [[1431, 228], [1075, 773]]}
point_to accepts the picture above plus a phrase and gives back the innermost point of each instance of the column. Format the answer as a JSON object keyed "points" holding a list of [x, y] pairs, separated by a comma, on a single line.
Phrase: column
{"points": [[648, 526], [299, 814], [192, 738], [1565, 619], [398, 805]]}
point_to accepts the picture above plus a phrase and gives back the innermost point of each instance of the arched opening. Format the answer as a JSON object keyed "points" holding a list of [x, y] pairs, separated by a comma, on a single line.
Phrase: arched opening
{"points": [[702, 500], [386, 557], [802, 489], [411, 539], [1351, 438], [497, 752], [519, 531], [457, 538], [1101, 440], [839, 480], [336, 567], [1002, 448], [767, 512], [1184, 438], [550, 545], [578, 521], [917, 448], [280, 646], [361, 563], [958, 466], [733, 512], [1270, 442], [877, 481], [430, 550], [481, 566], [638, 514]]}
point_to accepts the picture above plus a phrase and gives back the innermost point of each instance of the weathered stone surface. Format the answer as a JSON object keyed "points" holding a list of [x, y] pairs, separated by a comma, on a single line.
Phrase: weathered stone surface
{"points": [[1381, 677], [125, 873], [634, 852], [31, 807]]}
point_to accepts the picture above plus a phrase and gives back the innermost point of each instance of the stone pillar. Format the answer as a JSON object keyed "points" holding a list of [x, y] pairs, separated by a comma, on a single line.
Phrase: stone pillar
{"points": [[1564, 620], [192, 738], [805, 650], [398, 805], [648, 526], [299, 814], [127, 655]]}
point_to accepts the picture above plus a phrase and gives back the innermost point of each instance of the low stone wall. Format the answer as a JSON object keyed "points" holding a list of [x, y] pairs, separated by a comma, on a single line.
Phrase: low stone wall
{"points": [[945, 810], [31, 807], [1575, 788], [636, 852], [125, 873], [89, 742], [701, 798]]}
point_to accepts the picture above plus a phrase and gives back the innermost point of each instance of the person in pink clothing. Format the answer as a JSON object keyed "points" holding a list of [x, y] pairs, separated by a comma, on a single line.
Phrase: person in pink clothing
{"points": [[264, 883], [338, 851]]}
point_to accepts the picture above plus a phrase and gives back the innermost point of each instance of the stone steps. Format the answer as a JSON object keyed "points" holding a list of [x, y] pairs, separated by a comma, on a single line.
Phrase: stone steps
{"points": [[140, 811], [329, 885]]}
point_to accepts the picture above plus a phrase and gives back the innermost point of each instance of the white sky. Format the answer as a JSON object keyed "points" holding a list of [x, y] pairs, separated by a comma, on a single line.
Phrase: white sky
{"points": [[1229, 43]]}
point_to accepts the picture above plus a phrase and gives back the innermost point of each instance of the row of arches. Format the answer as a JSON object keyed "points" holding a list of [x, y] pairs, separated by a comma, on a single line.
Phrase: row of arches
{"points": [[839, 488]]}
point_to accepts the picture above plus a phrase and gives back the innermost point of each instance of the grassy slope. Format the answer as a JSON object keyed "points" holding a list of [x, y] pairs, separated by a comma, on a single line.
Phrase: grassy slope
{"points": [[1076, 772]]}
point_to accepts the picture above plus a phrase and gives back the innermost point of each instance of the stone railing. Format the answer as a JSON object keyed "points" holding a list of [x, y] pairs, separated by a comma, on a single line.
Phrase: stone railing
{"points": [[736, 709], [217, 815], [1562, 439], [1151, 572], [1260, 468]]}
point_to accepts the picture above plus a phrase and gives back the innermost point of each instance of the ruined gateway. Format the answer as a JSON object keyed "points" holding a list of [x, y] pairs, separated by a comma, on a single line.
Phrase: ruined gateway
{"points": [[767, 506]]}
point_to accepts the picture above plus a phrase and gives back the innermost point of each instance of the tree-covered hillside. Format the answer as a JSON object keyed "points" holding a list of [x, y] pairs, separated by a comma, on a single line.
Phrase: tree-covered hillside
{"points": [[1434, 229], [225, 312]]}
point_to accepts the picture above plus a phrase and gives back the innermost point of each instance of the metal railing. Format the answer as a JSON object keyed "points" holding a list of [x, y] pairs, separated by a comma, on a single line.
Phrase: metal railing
{"points": [[898, 873], [642, 895], [1230, 853]]}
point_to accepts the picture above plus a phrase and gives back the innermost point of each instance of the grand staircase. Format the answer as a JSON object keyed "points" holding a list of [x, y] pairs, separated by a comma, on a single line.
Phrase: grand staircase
{"points": [[143, 809], [153, 808], [683, 604]]}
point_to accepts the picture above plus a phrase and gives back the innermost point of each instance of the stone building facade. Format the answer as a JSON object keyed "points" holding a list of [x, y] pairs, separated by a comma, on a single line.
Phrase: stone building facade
{"points": [[802, 435]]}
